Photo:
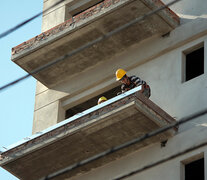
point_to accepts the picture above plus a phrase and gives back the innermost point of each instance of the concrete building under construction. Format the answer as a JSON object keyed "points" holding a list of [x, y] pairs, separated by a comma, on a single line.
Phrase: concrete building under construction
{"points": [[74, 59]]}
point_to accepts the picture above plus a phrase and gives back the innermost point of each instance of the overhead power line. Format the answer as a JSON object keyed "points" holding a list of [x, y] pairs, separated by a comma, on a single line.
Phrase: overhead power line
{"points": [[101, 38], [9, 31], [125, 145], [161, 161], [130, 143]]}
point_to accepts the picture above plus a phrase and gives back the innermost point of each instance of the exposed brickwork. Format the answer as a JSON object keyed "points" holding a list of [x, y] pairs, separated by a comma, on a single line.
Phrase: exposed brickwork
{"points": [[71, 125], [84, 15], [98, 131], [166, 118]]}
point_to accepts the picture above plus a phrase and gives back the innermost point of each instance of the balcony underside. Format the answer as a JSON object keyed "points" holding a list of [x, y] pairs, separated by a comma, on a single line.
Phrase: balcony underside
{"points": [[109, 125], [87, 27]]}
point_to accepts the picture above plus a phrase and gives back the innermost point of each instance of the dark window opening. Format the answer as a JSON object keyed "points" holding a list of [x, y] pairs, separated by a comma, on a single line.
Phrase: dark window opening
{"points": [[194, 65], [91, 102], [72, 9], [195, 170], [88, 7]]}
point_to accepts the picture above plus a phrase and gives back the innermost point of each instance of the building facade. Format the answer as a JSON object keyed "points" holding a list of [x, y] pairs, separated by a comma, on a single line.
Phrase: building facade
{"points": [[167, 49]]}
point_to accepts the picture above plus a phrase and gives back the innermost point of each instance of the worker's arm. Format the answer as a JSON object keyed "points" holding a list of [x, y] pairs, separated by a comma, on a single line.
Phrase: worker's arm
{"points": [[124, 88], [137, 81]]}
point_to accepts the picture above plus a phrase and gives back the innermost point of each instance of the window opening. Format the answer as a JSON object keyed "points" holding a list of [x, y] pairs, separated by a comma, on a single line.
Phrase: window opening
{"points": [[88, 7], [195, 170], [79, 7], [91, 102], [194, 64]]}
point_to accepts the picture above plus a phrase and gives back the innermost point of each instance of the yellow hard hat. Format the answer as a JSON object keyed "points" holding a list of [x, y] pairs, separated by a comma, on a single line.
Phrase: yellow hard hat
{"points": [[102, 99], [119, 74]]}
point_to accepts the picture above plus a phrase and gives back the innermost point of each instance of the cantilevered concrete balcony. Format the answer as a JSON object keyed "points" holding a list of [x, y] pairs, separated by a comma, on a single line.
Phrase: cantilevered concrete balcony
{"points": [[91, 24], [96, 130]]}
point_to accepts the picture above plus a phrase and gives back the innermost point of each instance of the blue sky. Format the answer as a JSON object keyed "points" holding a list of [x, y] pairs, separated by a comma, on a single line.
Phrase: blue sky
{"points": [[16, 102]]}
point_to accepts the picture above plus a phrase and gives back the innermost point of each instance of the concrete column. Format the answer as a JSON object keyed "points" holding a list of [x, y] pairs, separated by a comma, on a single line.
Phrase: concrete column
{"points": [[47, 116]]}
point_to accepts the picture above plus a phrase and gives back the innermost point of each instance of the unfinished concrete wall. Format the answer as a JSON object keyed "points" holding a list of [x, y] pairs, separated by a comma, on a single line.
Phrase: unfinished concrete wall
{"points": [[172, 169], [158, 61], [187, 9], [165, 75], [54, 16]]}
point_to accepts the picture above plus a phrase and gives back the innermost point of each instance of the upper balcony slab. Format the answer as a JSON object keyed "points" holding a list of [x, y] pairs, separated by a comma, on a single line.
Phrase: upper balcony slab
{"points": [[85, 27], [94, 131]]}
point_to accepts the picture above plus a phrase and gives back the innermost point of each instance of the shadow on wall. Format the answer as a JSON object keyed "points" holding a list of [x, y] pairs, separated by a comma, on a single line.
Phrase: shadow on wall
{"points": [[91, 102], [189, 7], [187, 18]]}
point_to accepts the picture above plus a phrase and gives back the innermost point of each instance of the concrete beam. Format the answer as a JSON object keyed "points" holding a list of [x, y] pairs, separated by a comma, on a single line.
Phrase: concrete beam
{"points": [[98, 129], [86, 27]]}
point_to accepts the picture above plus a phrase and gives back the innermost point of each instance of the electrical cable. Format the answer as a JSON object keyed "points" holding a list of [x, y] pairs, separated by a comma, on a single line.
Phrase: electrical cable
{"points": [[9, 31], [161, 161], [127, 144], [136, 20], [148, 135]]}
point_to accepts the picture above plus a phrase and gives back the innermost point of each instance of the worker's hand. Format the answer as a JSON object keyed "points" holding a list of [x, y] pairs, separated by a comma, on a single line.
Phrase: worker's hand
{"points": [[119, 93], [1, 157], [142, 88]]}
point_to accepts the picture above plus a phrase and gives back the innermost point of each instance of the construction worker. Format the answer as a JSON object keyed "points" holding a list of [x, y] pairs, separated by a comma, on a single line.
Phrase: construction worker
{"points": [[132, 82], [102, 99]]}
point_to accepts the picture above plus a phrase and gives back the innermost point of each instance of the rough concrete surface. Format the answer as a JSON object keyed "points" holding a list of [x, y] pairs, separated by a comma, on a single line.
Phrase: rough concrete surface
{"points": [[86, 27], [96, 132]]}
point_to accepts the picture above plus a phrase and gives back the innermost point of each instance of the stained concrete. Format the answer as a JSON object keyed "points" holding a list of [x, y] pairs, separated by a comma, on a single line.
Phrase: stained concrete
{"points": [[95, 26], [107, 127], [162, 69]]}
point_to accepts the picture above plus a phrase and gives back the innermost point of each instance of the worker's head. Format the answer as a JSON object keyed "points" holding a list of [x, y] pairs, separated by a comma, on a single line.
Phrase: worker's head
{"points": [[122, 77], [120, 73], [101, 99]]}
